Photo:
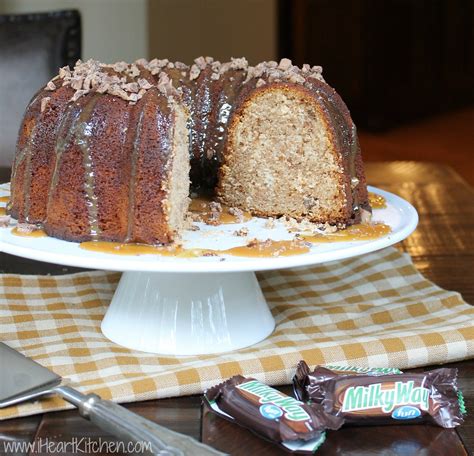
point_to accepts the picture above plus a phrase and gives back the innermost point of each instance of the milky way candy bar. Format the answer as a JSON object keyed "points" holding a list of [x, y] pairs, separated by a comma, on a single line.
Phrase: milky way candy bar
{"points": [[271, 414], [306, 381], [387, 399]]}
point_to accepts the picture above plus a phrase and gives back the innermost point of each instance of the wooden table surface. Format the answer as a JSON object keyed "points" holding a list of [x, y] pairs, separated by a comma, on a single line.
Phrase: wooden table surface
{"points": [[442, 248]]}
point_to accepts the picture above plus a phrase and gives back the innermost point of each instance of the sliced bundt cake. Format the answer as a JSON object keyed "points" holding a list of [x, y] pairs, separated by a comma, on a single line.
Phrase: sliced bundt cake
{"points": [[106, 152]]}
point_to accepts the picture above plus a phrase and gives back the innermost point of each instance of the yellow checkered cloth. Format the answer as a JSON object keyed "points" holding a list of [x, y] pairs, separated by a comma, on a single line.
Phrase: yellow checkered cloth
{"points": [[373, 310]]}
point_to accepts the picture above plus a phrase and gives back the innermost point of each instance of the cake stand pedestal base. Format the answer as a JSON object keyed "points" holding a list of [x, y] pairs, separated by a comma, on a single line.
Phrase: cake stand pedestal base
{"points": [[187, 313]]}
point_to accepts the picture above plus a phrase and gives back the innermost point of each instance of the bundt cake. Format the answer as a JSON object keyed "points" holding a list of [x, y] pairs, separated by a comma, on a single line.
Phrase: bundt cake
{"points": [[108, 152]]}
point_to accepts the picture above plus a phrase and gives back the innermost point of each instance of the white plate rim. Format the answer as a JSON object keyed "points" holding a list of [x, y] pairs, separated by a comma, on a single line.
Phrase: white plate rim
{"points": [[111, 262]]}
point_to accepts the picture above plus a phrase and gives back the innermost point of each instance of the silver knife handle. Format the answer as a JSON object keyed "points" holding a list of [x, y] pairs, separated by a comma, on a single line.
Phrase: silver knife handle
{"points": [[129, 426]]}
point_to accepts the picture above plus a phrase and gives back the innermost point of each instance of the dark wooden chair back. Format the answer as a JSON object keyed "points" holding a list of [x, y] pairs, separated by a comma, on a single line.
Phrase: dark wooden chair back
{"points": [[32, 48]]}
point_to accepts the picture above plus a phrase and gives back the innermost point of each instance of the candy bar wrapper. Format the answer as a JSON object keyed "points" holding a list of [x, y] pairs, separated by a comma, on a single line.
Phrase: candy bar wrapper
{"points": [[281, 419], [306, 381], [354, 370], [386, 399]]}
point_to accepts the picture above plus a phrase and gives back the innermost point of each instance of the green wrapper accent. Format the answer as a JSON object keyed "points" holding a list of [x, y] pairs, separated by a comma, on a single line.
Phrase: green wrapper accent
{"points": [[321, 440], [363, 370], [462, 404]]}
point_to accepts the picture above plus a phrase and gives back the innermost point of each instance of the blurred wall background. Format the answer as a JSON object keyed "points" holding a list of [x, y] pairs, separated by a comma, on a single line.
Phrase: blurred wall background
{"points": [[115, 30], [112, 30], [185, 29]]}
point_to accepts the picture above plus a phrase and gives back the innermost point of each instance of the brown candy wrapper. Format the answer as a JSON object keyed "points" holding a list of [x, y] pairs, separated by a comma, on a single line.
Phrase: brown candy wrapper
{"points": [[385, 399], [307, 381], [295, 426]]}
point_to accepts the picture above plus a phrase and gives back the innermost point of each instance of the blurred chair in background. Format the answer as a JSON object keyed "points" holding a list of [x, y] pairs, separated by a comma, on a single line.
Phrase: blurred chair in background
{"points": [[32, 48]]}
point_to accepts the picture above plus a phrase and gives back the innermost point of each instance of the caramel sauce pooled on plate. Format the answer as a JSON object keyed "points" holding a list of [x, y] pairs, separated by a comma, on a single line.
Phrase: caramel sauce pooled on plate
{"points": [[377, 201], [4, 199], [255, 249], [32, 234], [213, 213], [118, 248], [269, 249], [360, 232]]}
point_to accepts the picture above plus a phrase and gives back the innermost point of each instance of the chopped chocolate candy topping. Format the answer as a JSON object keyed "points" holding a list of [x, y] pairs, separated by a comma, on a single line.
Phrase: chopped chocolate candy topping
{"points": [[119, 67], [120, 79], [215, 65], [142, 62], [181, 66], [155, 66], [284, 71], [237, 213], [44, 103], [165, 85], [26, 228], [285, 64], [64, 72], [194, 72], [214, 206], [200, 63], [131, 81], [239, 63], [242, 232], [144, 84], [4, 220]]}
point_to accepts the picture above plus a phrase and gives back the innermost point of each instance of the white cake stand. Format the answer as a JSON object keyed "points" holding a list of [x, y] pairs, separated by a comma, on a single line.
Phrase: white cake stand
{"points": [[190, 306]]}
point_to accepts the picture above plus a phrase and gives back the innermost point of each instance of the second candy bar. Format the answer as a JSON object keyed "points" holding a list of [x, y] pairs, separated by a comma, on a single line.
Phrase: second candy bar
{"points": [[386, 399]]}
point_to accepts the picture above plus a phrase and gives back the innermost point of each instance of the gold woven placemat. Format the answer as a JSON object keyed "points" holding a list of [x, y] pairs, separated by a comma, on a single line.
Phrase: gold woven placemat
{"points": [[373, 310]]}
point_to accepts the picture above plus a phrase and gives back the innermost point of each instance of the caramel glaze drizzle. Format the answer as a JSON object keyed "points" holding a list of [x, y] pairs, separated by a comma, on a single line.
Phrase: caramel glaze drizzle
{"points": [[360, 232], [79, 126], [231, 82], [269, 249], [82, 132], [255, 249], [377, 201], [133, 174], [21, 155], [33, 234], [204, 119], [64, 138], [26, 155], [260, 249], [4, 199], [349, 140], [118, 248], [354, 147], [27, 176]]}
